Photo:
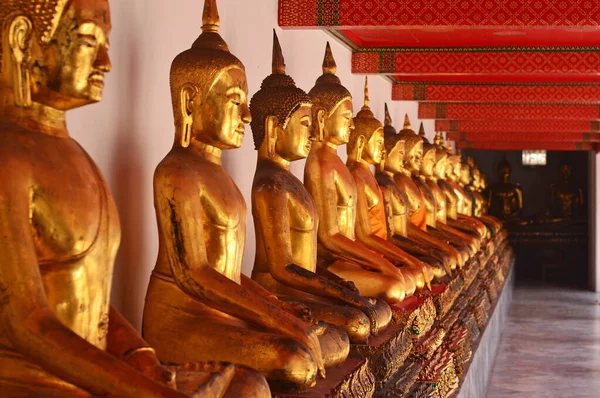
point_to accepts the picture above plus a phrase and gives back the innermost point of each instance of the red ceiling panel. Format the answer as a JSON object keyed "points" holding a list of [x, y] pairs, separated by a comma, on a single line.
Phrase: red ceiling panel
{"points": [[525, 137], [509, 126], [508, 111], [520, 146], [540, 93]]}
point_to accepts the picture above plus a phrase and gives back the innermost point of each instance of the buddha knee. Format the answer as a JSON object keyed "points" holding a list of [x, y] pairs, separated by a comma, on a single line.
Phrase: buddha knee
{"points": [[296, 366], [248, 383], [394, 293], [358, 327]]}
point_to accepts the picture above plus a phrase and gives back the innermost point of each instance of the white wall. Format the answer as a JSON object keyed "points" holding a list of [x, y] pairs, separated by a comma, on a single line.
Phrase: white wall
{"points": [[131, 130]]}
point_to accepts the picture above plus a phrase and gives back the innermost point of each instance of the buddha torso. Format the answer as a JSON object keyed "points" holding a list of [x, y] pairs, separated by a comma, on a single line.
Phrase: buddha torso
{"points": [[439, 199], [416, 208], [464, 201], [303, 217], [374, 201], [451, 198], [395, 204], [504, 199], [74, 228], [223, 209], [343, 193], [428, 199]]}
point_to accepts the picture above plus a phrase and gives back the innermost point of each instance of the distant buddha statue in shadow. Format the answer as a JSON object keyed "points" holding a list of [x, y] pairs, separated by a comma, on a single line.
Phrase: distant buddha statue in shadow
{"points": [[567, 197], [505, 197]]}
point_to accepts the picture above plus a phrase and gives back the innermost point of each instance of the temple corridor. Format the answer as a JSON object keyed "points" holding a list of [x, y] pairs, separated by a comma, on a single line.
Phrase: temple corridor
{"points": [[550, 346]]}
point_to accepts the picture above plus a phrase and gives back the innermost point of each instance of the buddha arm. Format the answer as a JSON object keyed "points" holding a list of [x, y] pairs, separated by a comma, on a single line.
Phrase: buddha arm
{"points": [[417, 233], [322, 187], [180, 222], [32, 327], [365, 233], [273, 209]]}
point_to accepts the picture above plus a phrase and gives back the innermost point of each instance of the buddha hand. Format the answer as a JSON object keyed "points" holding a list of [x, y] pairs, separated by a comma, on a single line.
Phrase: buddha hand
{"points": [[300, 310], [349, 285], [368, 307], [192, 378], [144, 360]]}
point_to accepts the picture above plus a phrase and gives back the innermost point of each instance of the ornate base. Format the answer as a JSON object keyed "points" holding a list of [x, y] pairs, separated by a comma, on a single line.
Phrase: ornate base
{"points": [[401, 383], [351, 379], [385, 352]]}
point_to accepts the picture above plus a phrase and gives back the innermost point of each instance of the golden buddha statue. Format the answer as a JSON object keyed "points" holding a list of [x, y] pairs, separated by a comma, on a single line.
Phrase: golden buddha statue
{"points": [[566, 198], [365, 148], [59, 334], [447, 198], [396, 207], [506, 198], [333, 189], [199, 306], [285, 216], [417, 203], [461, 201], [436, 226], [475, 187], [427, 175]]}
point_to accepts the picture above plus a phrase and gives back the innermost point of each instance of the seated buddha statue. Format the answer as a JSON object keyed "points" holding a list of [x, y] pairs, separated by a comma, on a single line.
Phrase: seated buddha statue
{"points": [[396, 207], [462, 205], [285, 215], [493, 224], [506, 198], [436, 227], [432, 167], [199, 306], [333, 190], [446, 199], [365, 148], [418, 226], [59, 335], [567, 197]]}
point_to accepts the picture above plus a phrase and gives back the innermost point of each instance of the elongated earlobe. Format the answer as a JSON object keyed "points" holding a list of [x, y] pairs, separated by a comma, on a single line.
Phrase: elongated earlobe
{"points": [[19, 37], [188, 92]]}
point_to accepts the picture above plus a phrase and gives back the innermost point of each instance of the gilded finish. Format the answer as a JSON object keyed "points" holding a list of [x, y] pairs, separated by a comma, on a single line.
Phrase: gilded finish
{"points": [[333, 189], [418, 228], [60, 227], [567, 198], [285, 215], [505, 197], [199, 306], [395, 203], [365, 148]]}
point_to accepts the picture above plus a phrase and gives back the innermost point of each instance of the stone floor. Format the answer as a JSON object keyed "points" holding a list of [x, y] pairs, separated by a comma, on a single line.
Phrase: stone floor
{"points": [[550, 346]]}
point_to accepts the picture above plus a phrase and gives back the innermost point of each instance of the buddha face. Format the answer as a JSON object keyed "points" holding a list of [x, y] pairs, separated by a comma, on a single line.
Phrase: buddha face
{"points": [[427, 163], [339, 123], [69, 71], [439, 170], [373, 150], [221, 117], [504, 174], [295, 140], [414, 158], [394, 161]]}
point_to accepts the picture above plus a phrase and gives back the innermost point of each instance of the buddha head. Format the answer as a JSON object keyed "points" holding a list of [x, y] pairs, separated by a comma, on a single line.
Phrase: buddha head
{"points": [[366, 139], [54, 52], [441, 157], [394, 146], [566, 171], [332, 105], [209, 89], [465, 175], [282, 118], [413, 148], [504, 170]]}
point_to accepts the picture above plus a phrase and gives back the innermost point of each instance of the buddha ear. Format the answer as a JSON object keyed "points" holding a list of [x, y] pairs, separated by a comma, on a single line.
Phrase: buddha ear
{"points": [[360, 146], [19, 40], [186, 109], [320, 125], [271, 134]]}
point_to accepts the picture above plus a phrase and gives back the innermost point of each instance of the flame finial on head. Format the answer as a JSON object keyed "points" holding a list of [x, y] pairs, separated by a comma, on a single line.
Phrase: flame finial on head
{"points": [[210, 16], [388, 118], [329, 65], [422, 130], [367, 100], [278, 63], [407, 125]]}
